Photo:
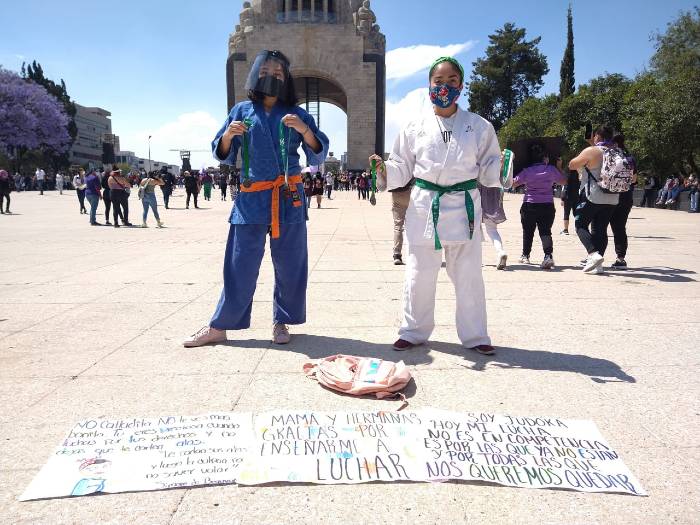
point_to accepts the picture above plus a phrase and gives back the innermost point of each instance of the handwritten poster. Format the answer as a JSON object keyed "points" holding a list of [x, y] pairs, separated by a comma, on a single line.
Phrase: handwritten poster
{"points": [[335, 447], [535, 452], [125, 455], [331, 448], [434, 445]]}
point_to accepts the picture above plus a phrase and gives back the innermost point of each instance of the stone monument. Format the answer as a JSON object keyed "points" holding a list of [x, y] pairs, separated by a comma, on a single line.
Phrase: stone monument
{"points": [[337, 53]]}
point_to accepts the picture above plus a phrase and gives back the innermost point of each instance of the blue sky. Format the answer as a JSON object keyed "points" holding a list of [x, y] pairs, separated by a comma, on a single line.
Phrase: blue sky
{"points": [[158, 66]]}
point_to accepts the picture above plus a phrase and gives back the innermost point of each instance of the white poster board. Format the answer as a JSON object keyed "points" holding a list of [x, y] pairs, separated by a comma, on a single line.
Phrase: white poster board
{"points": [[126, 455], [434, 445], [331, 448]]}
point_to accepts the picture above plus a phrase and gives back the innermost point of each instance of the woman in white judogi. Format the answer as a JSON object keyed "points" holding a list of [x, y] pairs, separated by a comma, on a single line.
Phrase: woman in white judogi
{"points": [[449, 151]]}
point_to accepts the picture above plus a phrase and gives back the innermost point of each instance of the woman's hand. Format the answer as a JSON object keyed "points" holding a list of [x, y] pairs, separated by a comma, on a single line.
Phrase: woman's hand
{"points": [[293, 121], [380, 162], [235, 129]]}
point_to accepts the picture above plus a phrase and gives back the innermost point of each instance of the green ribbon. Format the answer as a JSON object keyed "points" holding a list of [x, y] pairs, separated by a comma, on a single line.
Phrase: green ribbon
{"points": [[373, 172], [439, 192], [283, 148], [246, 154], [507, 159]]}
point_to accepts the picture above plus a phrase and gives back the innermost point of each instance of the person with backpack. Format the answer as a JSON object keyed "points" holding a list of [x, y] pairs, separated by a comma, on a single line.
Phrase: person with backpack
{"points": [[618, 221], [449, 151], [317, 190], [119, 189], [538, 210], [605, 173], [267, 129], [308, 189], [362, 186]]}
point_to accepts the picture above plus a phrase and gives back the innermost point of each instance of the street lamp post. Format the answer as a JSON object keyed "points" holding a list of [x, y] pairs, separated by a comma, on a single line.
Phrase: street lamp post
{"points": [[149, 153]]}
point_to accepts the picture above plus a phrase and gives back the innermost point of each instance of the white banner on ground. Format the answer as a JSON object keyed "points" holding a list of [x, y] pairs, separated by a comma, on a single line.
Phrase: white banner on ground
{"points": [[434, 445], [331, 448], [126, 455]]}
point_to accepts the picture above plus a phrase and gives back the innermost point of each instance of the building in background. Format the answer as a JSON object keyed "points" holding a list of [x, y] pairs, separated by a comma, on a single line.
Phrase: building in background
{"points": [[94, 126], [138, 163]]}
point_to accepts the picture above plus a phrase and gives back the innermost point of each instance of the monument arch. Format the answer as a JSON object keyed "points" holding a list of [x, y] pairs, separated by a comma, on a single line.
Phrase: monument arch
{"points": [[337, 55]]}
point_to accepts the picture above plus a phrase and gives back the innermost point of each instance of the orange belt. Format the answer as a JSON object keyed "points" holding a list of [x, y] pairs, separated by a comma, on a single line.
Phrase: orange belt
{"points": [[274, 185]]}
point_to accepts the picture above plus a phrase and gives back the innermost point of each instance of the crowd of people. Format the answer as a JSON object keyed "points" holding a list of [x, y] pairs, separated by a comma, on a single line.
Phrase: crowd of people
{"points": [[669, 195], [319, 185]]}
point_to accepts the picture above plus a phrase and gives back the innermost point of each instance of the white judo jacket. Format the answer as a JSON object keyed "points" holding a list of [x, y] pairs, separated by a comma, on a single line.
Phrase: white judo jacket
{"points": [[419, 151]]}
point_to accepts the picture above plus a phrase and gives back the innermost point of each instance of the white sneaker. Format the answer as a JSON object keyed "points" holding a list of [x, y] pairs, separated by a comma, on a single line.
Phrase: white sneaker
{"points": [[205, 336], [144, 225], [280, 334], [594, 261], [502, 260], [524, 259], [547, 263]]}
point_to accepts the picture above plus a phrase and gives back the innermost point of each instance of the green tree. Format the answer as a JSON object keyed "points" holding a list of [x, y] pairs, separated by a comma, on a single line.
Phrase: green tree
{"points": [[662, 121], [678, 49], [537, 117], [567, 84], [510, 73], [662, 109], [598, 102], [35, 73]]}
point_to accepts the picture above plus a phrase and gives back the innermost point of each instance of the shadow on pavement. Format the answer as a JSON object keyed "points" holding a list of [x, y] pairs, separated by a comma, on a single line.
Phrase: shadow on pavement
{"points": [[667, 275], [599, 370], [316, 347]]}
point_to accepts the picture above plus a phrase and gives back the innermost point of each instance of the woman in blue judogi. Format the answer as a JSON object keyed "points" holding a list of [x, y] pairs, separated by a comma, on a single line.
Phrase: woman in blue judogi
{"points": [[267, 131]]}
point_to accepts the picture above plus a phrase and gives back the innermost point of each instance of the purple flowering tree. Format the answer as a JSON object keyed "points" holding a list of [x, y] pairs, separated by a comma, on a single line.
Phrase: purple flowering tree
{"points": [[30, 118]]}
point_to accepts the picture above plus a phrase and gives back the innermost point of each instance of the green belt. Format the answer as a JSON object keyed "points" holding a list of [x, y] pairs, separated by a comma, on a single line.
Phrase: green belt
{"points": [[440, 191]]}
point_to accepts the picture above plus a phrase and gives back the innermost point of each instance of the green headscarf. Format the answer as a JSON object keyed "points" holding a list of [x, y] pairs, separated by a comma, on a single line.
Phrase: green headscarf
{"points": [[452, 61]]}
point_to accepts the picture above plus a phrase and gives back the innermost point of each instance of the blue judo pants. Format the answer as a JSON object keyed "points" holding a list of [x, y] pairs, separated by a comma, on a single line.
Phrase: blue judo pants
{"points": [[244, 252]]}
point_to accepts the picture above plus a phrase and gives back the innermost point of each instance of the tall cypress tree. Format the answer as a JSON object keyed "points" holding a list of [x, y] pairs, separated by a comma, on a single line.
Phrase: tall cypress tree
{"points": [[567, 84]]}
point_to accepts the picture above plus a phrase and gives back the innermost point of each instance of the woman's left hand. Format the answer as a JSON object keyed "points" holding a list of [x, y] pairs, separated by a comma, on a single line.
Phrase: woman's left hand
{"points": [[293, 121]]}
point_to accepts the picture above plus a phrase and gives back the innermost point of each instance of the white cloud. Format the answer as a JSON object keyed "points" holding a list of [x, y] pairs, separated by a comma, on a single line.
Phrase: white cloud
{"points": [[193, 131], [400, 112], [404, 62]]}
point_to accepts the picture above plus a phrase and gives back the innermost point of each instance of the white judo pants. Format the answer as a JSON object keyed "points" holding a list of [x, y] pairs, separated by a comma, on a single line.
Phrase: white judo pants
{"points": [[464, 270]]}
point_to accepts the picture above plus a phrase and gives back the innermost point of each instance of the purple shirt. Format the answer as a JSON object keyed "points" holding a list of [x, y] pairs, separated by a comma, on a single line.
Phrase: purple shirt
{"points": [[93, 185], [538, 180]]}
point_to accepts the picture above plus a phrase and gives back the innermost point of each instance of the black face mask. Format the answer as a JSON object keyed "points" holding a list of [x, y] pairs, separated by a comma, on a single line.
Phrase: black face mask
{"points": [[270, 86]]}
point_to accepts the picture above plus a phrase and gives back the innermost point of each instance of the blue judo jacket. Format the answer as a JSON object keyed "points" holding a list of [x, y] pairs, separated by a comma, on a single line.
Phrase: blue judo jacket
{"points": [[266, 162]]}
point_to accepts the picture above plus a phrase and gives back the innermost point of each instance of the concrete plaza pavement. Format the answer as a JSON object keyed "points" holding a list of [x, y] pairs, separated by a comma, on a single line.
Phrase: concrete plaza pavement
{"points": [[92, 319]]}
